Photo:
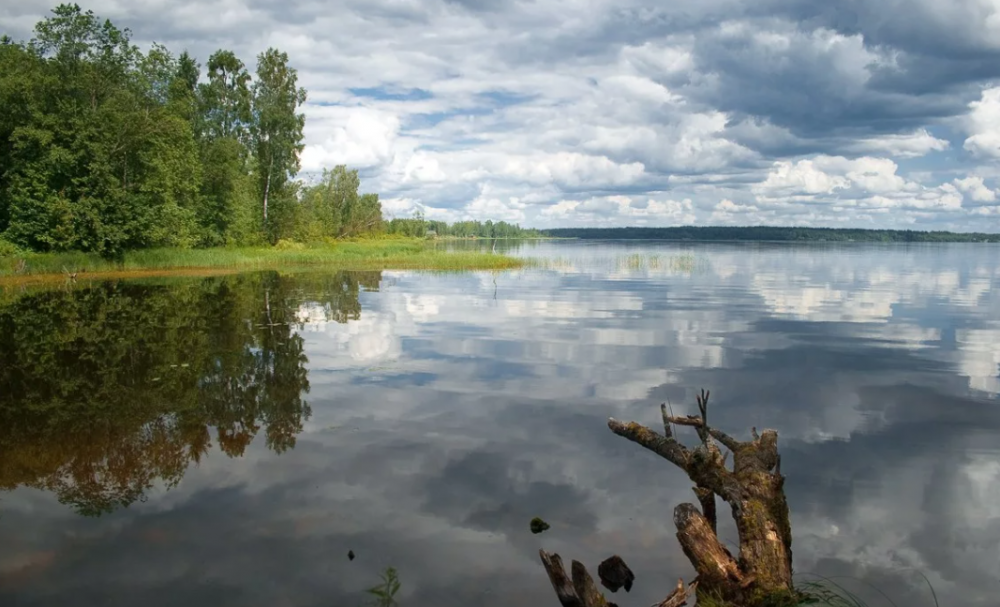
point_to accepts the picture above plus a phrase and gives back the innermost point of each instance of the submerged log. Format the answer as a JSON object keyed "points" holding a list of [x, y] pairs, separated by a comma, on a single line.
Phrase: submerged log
{"points": [[761, 574]]}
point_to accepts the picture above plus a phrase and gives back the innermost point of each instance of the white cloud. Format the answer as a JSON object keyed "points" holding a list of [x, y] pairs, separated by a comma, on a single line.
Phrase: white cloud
{"points": [[356, 136], [802, 177], [433, 100], [984, 125], [976, 189], [903, 145], [860, 186]]}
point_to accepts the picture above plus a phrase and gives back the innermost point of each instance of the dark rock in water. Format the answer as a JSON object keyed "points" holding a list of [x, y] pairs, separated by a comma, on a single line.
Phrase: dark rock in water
{"points": [[538, 525], [350, 554], [615, 574]]}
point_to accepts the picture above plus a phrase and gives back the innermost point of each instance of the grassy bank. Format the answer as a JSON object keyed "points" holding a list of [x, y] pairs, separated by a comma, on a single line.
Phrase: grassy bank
{"points": [[389, 254]]}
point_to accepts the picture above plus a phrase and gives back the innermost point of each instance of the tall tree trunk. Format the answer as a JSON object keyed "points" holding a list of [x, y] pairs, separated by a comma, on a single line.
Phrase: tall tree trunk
{"points": [[761, 574], [267, 184]]}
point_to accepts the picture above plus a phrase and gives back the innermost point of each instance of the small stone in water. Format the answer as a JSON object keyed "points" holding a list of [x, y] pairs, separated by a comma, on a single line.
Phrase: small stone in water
{"points": [[614, 574]]}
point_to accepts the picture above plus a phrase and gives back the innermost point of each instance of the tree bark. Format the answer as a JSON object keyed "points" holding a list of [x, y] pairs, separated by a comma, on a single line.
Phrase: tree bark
{"points": [[267, 184], [761, 574], [754, 489]]}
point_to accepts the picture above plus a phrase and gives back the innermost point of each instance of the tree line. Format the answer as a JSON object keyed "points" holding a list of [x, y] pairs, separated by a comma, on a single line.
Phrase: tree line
{"points": [[107, 148], [419, 227], [768, 233]]}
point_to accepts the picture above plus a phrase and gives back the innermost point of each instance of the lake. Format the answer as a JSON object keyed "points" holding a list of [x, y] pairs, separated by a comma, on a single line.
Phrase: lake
{"points": [[228, 440]]}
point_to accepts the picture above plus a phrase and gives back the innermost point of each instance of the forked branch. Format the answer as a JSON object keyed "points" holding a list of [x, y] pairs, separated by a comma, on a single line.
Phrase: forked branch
{"points": [[753, 487]]}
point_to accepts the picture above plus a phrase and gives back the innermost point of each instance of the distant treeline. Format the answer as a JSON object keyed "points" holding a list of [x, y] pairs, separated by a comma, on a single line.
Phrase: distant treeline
{"points": [[419, 227], [767, 233]]}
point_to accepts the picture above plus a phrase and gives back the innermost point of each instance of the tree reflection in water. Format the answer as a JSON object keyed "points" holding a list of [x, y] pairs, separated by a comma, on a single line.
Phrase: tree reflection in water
{"points": [[112, 388]]}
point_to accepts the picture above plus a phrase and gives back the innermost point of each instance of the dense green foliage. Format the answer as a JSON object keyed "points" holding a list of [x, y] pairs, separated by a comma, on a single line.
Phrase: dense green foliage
{"points": [[106, 148], [110, 389], [767, 233]]}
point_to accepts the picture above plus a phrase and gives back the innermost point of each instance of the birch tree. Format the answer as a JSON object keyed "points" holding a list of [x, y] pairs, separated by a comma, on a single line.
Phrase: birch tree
{"points": [[277, 125]]}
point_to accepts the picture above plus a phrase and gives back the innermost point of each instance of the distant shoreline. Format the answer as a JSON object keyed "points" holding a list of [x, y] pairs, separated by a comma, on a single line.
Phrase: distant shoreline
{"points": [[770, 234]]}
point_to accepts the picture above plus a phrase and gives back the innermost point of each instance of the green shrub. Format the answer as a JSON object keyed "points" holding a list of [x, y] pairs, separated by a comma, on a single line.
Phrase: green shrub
{"points": [[289, 245], [9, 249]]}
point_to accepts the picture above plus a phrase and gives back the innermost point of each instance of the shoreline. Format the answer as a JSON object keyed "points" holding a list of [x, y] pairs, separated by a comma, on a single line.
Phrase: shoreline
{"points": [[385, 254]]}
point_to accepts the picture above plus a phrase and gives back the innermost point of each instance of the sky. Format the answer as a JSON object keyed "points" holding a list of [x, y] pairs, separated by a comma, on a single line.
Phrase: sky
{"points": [[550, 113]]}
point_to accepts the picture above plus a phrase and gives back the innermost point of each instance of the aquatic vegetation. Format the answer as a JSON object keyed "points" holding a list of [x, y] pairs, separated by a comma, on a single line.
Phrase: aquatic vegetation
{"points": [[385, 592], [376, 254], [675, 264]]}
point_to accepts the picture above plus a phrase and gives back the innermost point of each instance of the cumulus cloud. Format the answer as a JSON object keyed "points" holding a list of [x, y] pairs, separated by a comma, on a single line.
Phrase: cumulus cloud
{"points": [[984, 125], [777, 104], [976, 189]]}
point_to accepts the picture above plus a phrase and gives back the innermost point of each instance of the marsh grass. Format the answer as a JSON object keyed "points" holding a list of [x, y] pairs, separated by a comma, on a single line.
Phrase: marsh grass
{"points": [[387, 254], [680, 264]]}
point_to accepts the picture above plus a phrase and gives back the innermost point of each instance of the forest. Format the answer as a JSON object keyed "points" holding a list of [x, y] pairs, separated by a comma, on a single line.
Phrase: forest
{"points": [[768, 234], [108, 148]]}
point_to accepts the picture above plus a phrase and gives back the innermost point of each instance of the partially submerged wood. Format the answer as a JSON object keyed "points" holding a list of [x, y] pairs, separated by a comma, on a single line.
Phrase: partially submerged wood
{"points": [[761, 573], [679, 596], [578, 592]]}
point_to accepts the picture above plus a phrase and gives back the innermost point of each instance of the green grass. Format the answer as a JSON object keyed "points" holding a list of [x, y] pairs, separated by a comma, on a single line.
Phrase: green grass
{"points": [[388, 254]]}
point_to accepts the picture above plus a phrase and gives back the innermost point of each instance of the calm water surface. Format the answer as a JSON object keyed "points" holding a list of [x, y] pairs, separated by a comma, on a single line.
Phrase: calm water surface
{"points": [[227, 441]]}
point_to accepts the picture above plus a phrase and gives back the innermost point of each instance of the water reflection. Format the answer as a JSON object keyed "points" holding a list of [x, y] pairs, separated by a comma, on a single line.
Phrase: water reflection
{"points": [[448, 410], [110, 390]]}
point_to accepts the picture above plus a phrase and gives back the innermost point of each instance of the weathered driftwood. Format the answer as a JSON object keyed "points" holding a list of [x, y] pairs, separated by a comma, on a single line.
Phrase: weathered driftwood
{"points": [[762, 571], [578, 592]]}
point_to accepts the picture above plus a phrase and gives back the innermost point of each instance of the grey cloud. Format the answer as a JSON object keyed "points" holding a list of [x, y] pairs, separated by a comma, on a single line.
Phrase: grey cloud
{"points": [[546, 63]]}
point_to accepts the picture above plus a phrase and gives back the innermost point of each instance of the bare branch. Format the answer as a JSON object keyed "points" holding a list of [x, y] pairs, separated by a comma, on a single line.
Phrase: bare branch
{"points": [[667, 448], [678, 598], [696, 422], [731, 443], [667, 431], [702, 400]]}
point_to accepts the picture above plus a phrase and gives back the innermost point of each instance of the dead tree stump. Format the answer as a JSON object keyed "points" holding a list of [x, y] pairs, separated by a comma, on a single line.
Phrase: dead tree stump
{"points": [[761, 574]]}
